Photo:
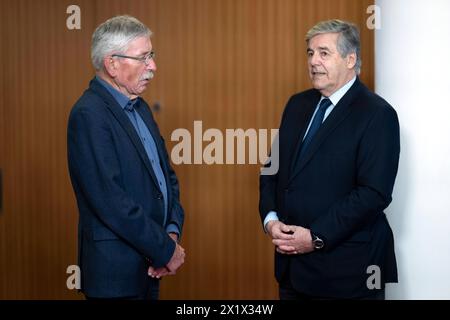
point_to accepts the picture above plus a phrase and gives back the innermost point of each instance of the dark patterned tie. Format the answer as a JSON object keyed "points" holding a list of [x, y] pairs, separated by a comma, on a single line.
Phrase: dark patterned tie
{"points": [[315, 125]]}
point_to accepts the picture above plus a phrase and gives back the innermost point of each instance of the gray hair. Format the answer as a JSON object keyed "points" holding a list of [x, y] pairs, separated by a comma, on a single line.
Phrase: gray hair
{"points": [[348, 40], [114, 36]]}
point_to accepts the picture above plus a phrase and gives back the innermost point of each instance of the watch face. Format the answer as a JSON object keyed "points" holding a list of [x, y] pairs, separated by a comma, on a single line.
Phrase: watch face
{"points": [[318, 243]]}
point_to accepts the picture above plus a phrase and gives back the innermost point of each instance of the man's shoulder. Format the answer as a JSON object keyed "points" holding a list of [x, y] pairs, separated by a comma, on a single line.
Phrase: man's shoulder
{"points": [[302, 98], [309, 94], [373, 101], [89, 102]]}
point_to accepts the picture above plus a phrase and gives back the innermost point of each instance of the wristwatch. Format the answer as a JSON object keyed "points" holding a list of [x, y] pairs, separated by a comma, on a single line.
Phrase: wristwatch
{"points": [[317, 242]]}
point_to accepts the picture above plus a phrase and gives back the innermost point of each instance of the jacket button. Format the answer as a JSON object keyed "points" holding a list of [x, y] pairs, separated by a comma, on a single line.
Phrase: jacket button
{"points": [[159, 196]]}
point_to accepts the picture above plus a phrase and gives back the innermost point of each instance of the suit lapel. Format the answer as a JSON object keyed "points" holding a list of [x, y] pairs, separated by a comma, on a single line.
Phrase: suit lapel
{"points": [[125, 123], [339, 113]]}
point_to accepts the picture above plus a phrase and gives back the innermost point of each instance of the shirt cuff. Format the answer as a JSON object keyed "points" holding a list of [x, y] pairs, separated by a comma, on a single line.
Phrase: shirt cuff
{"points": [[271, 216], [173, 228]]}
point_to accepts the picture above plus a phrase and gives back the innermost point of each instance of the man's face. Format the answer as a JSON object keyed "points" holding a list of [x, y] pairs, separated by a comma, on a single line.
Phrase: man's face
{"points": [[327, 69], [133, 76]]}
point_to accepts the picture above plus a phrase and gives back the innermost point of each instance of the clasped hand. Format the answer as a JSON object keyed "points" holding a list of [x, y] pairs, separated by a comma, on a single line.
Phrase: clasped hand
{"points": [[290, 239], [174, 263]]}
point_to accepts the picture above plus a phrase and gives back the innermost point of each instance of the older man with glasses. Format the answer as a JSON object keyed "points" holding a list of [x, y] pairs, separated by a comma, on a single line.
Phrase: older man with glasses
{"points": [[130, 216]]}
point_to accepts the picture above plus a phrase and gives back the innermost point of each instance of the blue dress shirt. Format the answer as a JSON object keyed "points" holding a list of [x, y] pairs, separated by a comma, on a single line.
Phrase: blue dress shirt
{"points": [[147, 141]]}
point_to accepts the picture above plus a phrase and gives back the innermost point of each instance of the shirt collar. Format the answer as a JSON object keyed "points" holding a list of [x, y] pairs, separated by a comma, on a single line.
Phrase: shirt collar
{"points": [[120, 98], [335, 97]]}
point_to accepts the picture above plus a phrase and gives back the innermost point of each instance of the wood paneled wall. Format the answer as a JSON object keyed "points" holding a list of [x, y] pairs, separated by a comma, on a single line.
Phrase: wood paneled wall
{"points": [[231, 64]]}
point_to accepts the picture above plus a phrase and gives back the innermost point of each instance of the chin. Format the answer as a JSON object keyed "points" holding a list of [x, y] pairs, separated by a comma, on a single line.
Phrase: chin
{"points": [[317, 86], [141, 89]]}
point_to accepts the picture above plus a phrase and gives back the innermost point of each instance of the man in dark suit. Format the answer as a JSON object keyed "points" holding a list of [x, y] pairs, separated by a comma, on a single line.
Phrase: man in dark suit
{"points": [[130, 217], [338, 158]]}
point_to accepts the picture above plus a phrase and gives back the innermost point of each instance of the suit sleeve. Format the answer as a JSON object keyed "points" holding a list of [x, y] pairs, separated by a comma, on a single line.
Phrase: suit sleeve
{"points": [[267, 194], [176, 215], [268, 183], [377, 164], [94, 165]]}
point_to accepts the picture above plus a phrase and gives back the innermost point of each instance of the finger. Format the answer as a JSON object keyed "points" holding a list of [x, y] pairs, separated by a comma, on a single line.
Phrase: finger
{"points": [[154, 273], [287, 228], [160, 275], [282, 235], [284, 252], [280, 251], [161, 272], [290, 252], [151, 271], [287, 248], [281, 242]]}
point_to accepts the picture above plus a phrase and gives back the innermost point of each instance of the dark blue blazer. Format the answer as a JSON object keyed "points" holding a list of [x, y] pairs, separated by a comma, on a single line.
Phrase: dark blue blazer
{"points": [[338, 189], [121, 208]]}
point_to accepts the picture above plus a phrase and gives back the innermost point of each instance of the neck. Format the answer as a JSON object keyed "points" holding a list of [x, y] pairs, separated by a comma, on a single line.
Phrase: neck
{"points": [[112, 82], [346, 80]]}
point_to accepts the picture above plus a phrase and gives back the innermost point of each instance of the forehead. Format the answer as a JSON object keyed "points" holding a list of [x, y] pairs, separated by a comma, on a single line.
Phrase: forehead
{"points": [[328, 40], [140, 45]]}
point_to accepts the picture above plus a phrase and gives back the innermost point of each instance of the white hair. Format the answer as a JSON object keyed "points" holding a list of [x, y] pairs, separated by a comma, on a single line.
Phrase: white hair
{"points": [[114, 36]]}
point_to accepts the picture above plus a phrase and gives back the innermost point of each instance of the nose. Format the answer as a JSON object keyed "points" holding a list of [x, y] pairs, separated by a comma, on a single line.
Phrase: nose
{"points": [[151, 65], [314, 59]]}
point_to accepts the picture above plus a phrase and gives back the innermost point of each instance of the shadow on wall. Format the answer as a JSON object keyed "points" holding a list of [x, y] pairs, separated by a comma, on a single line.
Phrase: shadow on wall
{"points": [[396, 214]]}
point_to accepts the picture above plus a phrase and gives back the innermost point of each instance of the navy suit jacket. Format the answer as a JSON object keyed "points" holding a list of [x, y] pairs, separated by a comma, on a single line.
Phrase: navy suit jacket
{"points": [[121, 208], [338, 189]]}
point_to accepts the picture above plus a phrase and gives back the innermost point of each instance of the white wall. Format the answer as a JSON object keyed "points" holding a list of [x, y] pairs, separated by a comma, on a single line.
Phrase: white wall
{"points": [[412, 72]]}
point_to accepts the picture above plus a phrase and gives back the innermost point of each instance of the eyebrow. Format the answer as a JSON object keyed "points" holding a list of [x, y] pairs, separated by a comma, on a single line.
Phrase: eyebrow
{"points": [[319, 48], [144, 53]]}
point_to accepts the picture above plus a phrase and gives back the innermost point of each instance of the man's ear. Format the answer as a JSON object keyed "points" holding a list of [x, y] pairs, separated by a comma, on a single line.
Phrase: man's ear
{"points": [[110, 66], [351, 60]]}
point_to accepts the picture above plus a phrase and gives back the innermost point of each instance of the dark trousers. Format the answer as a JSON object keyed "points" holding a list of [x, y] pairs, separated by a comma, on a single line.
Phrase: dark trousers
{"points": [[150, 293], [288, 292]]}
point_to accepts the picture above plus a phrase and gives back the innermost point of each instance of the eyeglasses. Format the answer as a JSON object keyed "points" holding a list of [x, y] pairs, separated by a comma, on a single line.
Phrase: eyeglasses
{"points": [[145, 59]]}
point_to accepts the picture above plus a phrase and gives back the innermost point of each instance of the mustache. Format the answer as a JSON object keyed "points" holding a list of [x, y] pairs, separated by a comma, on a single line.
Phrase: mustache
{"points": [[148, 75]]}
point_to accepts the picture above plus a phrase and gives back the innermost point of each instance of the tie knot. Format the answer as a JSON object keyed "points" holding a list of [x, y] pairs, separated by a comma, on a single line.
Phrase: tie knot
{"points": [[324, 104], [132, 104]]}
